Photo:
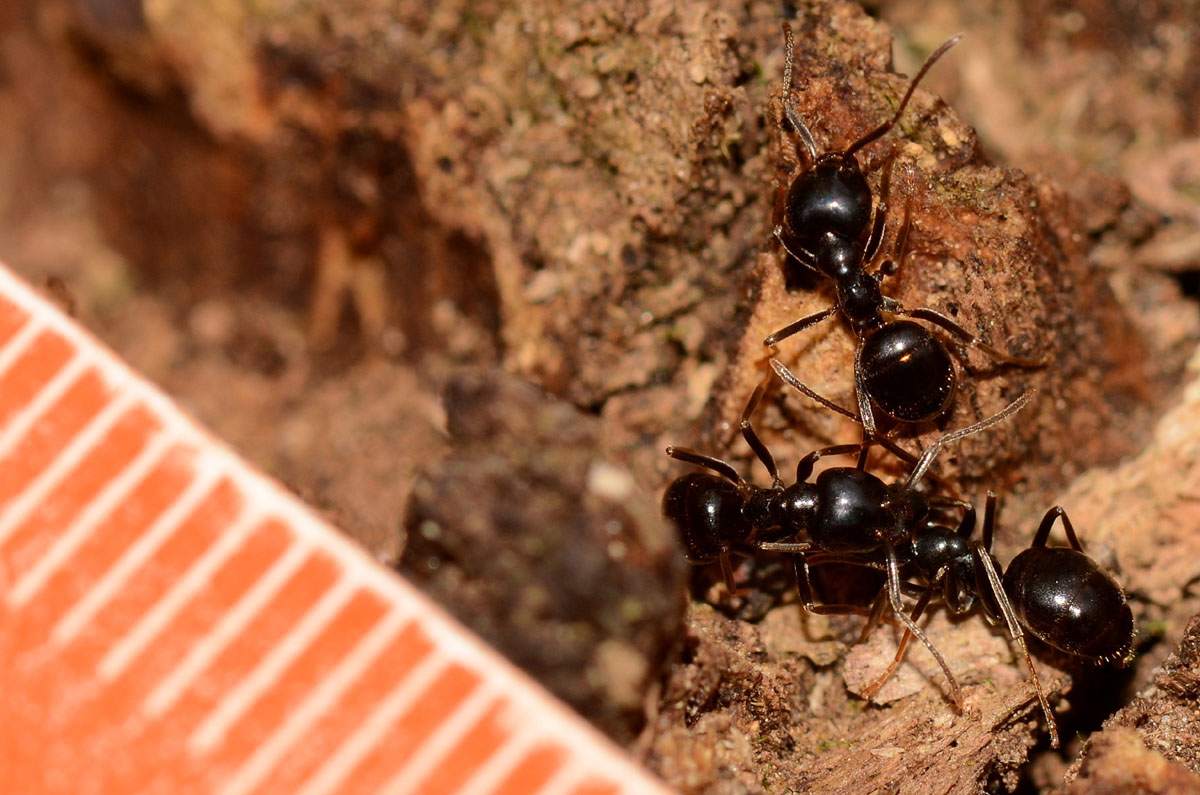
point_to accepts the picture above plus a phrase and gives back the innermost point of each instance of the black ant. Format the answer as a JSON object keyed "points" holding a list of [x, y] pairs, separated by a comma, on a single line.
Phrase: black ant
{"points": [[1058, 594], [844, 514], [828, 227]]}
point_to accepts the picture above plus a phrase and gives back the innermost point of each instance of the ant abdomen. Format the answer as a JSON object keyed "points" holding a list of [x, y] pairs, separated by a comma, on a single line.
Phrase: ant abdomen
{"points": [[1067, 601], [907, 371], [708, 512]]}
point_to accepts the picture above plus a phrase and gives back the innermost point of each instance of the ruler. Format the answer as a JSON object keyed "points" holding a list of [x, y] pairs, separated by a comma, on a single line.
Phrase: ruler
{"points": [[172, 621]]}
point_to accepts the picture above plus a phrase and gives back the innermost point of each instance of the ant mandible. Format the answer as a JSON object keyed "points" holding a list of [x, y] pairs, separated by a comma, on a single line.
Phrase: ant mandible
{"points": [[1058, 594], [844, 514], [900, 366]]}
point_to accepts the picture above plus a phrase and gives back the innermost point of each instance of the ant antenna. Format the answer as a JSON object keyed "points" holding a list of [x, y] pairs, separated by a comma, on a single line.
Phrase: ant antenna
{"points": [[882, 129], [920, 465], [933, 449], [790, 379], [788, 109], [722, 468], [883, 440], [751, 437]]}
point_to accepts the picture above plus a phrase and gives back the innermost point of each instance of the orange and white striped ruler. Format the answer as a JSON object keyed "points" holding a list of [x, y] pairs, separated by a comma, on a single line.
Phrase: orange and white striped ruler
{"points": [[171, 621]]}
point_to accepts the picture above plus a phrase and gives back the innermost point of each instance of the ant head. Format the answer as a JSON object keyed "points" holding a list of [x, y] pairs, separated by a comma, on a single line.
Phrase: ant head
{"points": [[831, 198], [707, 512]]}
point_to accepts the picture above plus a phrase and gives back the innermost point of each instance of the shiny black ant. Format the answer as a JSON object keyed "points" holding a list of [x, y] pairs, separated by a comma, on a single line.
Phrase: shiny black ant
{"points": [[828, 227], [1057, 594], [846, 513]]}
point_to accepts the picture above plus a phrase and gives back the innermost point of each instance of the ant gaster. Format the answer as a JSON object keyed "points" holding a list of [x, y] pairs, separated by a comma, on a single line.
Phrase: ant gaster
{"points": [[1057, 594], [845, 513], [828, 227]]}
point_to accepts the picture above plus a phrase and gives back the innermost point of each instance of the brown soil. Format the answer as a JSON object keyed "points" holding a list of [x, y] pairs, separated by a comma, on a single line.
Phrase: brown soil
{"points": [[312, 224]]}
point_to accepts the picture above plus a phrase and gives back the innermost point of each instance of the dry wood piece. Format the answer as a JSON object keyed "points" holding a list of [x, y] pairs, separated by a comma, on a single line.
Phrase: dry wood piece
{"points": [[1153, 744]]}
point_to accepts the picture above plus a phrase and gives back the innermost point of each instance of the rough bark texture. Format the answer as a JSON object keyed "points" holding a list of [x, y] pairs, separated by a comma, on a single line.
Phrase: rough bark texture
{"points": [[303, 219], [1152, 744]]}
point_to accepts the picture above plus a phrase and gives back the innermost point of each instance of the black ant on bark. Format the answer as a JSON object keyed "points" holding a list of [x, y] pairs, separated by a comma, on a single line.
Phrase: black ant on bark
{"points": [[1057, 594], [845, 514], [828, 227]]}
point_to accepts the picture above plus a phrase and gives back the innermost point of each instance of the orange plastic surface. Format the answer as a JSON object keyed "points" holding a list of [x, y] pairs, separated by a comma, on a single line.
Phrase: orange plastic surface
{"points": [[173, 622]]}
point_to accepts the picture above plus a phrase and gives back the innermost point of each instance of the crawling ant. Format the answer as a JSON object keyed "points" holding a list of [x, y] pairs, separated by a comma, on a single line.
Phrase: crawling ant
{"points": [[846, 513], [1057, 594], [828, 227]]}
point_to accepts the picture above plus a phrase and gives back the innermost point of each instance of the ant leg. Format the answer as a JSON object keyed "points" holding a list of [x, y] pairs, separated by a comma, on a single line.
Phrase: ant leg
{"points": [[787, 547], [821, 557], [893, 589], [985, 561], [804, 466], [727, 574], [756, 444], [876, 616], [723, 468], [872, 689], [804, 590], [863, 455], [890, 267], [998, 607], [877, 228], [980, 550], [864, 401], [880, 222], [797, 326], [966, 525], [881, 599], [794, 117], [967, 337], [805, 258], [933, 449], [883, 128], [1043, 531], [989, 520], [795, 383]]}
